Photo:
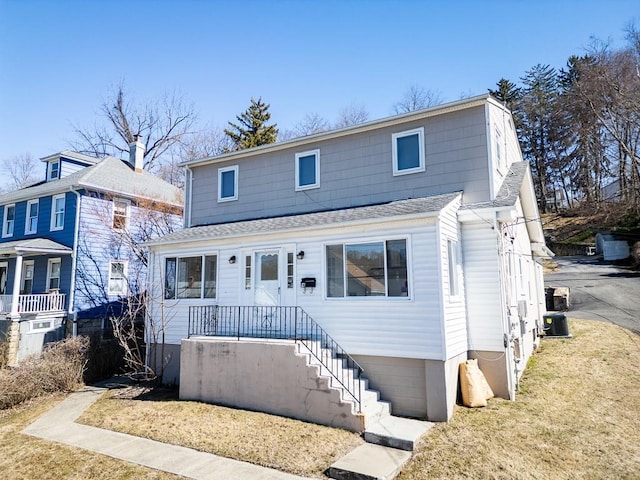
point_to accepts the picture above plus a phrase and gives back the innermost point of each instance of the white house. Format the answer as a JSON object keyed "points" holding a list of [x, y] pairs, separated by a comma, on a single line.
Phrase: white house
{"points": [[412, 242]]}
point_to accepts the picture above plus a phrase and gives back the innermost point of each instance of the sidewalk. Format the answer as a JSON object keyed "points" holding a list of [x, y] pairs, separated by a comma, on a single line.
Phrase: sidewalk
{"points": [[59, 425]]}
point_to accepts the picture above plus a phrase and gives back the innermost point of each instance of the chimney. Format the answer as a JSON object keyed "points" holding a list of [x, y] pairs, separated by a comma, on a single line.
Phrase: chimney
{"points": [[136, 153]]}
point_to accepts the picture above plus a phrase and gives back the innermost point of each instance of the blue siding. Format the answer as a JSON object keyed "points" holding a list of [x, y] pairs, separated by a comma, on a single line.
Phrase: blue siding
{"points": [[40, 265], [64, 236]]}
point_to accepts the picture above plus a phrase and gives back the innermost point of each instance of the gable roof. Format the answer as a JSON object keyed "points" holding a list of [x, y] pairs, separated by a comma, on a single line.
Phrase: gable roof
{"points": [[80, 157], [463, 104], [413, 207], [34, 246], [109, 175]]}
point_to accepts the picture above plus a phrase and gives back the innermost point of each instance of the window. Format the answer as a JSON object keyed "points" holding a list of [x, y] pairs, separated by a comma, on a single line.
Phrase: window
{"points": [[408, 151], [31, 222], [53, 274], [290, 270], [120, 213], [54, 170], [9, 220], [247, 273], [117, 278], [307, 170], [26, 284], [191, 277], [57, 212], [499, 156], [228, 184], [376, 269], [454, 280]]}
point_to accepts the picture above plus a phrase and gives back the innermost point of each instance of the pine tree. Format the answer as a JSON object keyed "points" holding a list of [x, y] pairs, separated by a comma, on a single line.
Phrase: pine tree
{"points": [[252, 130]]}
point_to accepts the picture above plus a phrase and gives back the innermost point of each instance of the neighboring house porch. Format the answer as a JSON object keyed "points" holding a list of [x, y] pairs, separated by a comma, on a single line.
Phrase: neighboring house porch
{"points": [[32, 305]]}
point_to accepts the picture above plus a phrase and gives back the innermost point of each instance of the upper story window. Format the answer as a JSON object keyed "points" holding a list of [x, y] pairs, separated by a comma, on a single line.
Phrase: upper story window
{"points": [[54, 170], [53, 274], [121, 213], [31, 221], [57, 212], [117, 278], [8, 223], [375, 269], [499, 148], [408, 151], [190, 277], [307, 170], [228, 184]]}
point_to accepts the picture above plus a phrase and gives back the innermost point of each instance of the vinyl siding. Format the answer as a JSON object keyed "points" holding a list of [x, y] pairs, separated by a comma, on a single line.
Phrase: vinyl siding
{"points": [[354, 170], [482, 286], [455, 318], [395, 327]]}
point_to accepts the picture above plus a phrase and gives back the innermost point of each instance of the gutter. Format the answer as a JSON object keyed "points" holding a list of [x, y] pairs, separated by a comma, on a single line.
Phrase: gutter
{"points": [[74, 261]]}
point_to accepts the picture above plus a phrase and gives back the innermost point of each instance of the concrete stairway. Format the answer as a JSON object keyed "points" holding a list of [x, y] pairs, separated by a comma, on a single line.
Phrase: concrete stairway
{"points": [[381, 427], [390, 439]]}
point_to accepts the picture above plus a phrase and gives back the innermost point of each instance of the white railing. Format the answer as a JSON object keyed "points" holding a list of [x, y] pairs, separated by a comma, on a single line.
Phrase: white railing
{"points": [[34, 303]]}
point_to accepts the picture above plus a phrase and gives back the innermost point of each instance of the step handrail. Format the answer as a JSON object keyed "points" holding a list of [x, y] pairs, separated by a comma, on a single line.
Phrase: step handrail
{"points": [[281, 322]]}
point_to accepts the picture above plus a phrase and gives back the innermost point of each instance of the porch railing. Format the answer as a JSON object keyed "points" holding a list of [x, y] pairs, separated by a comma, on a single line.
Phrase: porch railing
{"points": [[34, 303], [291, 323]]}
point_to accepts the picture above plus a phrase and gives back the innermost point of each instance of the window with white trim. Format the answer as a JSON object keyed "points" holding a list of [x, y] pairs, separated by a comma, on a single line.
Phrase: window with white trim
{"points": [[374, 269], [228, 184], [53, 274], [307, 170], [408, 151], [31, 221], [117, 277], [26, 281], [54, 170], [454, 268], [57, 212], [121, 213], [190, 277], [9, 221]]}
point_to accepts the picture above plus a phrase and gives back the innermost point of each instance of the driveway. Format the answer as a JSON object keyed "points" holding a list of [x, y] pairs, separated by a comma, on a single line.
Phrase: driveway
{"points": [[599, 291]]}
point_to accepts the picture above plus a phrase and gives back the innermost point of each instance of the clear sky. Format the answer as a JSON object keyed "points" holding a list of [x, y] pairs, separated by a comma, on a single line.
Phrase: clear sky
{"points": [[60, 59]]}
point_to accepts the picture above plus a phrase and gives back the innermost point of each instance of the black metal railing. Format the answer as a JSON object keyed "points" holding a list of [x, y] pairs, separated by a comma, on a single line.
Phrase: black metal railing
{"points": [[288, 323]]}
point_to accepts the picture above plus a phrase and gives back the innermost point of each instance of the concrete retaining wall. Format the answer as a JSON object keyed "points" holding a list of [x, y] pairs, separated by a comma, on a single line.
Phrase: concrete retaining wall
{"points": [[262, 376]]}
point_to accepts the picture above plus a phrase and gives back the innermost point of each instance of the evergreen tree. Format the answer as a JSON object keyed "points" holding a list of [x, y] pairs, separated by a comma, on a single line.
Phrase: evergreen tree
{"points": [[252, 130]]}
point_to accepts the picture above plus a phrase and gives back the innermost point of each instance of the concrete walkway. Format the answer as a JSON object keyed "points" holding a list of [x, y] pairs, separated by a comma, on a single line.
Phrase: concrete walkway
{"points": [[59, 425]]}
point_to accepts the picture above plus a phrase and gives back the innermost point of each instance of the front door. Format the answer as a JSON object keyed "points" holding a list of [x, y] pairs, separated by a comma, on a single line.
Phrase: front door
{"points": [[267, 278]]}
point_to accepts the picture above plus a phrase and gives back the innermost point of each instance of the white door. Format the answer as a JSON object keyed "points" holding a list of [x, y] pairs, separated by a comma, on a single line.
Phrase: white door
{"points": [[267, 278]]}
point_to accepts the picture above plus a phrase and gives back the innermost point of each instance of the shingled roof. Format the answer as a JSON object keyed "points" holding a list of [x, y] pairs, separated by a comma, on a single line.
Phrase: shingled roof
{"points": [[509, 190], [108, 175], [424, 206]]}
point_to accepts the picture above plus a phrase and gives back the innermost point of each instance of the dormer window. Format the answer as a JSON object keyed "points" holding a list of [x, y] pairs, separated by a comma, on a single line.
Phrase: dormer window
{"points": [[54, 170]]}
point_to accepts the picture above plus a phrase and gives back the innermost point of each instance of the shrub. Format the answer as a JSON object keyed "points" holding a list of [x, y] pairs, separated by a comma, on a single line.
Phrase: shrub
{"points": [[59, 368]]}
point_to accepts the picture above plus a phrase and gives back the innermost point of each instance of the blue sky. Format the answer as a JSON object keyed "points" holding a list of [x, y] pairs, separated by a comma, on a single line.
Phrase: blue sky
{"points": [[60, 59]]}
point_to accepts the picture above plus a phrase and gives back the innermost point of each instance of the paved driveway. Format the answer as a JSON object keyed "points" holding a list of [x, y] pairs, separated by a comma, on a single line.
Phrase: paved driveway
{"points": [[599, 291]]}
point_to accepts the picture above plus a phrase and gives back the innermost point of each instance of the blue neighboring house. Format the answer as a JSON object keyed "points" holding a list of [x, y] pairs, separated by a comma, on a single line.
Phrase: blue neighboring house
{"points": [[67, 245]]}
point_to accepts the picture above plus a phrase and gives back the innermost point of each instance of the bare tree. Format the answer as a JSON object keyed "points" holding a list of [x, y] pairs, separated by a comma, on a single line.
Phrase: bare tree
{"points": [[352, 114], [109, 240], [162, 124], [21, 169], [417, 98], [311, 123]]}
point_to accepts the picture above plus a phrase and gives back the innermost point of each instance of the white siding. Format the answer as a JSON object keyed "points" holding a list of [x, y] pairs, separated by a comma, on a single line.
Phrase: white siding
{"points": [[67, 168], [500, 130], [482, 282], [455, 318], [398, 327]]}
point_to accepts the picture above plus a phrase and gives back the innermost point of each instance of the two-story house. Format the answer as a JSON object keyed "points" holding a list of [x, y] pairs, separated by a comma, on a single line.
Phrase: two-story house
{"points": [[412, 242], [60, 254]]}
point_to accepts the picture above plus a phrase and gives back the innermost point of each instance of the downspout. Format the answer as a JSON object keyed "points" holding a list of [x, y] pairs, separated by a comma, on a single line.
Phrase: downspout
{"points": [[74, 261], [504, 299]]}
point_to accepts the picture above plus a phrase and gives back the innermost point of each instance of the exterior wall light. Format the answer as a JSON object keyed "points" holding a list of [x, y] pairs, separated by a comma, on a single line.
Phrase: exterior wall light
{"points": [[300, 255], [232, 259]]}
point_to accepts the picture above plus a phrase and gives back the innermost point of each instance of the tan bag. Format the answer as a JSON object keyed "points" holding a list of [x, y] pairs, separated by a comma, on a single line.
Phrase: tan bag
{"points": [[475, 389]]}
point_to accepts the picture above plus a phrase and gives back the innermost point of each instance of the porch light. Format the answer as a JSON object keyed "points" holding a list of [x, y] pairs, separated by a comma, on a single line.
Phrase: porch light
{"points": [[300, 255], [232, 259]]}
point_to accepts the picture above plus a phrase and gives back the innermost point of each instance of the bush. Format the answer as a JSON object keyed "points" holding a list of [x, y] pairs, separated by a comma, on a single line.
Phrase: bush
{"points": [[59, 368]]}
